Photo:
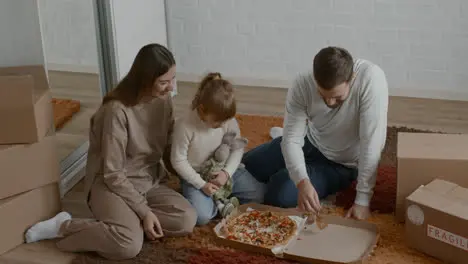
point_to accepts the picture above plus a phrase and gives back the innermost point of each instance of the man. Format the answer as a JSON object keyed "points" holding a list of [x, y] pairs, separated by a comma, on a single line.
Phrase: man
{"points": [[334, 132]]}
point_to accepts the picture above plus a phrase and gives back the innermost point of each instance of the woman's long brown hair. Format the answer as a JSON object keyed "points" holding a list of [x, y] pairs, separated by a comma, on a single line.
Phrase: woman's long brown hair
{"points": [[152, 61]]}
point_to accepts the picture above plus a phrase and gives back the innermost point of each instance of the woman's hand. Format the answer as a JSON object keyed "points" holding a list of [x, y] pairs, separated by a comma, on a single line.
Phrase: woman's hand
{"points": [[209, 188], [151, 226], [220, 179]]}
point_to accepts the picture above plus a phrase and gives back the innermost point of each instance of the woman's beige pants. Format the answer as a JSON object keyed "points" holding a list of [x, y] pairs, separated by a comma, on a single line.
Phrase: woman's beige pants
{"points": [[117, 232]]}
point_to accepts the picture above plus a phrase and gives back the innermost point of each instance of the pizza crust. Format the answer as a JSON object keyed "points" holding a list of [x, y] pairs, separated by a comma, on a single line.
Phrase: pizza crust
{"points": [[261, 228], [321, 222]]}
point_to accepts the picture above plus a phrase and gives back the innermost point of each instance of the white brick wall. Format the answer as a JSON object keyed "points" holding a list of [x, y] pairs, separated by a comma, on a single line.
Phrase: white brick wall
{"points": [[421, 44]]}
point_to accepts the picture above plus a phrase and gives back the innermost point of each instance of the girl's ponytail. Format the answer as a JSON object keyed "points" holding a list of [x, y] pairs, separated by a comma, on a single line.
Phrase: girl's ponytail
{"points": [[206, 80]]}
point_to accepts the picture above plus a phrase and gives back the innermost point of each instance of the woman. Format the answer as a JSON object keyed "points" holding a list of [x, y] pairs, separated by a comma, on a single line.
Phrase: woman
{"points": [[129, 138]]}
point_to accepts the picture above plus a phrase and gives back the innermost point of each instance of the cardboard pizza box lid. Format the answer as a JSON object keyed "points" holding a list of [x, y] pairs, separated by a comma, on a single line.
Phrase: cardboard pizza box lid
{"points": [[342, 241], [26, 111], [354, 239]]}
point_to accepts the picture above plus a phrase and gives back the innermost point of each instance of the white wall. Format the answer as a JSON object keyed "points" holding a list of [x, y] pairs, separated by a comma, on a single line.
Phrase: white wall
{"points": [[421, 44], [21, 42], [69, 31], [135, 24]]}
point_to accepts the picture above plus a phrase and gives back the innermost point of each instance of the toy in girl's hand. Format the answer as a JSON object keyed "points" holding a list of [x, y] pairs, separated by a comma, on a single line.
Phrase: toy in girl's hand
{"points": [[215, 164]]}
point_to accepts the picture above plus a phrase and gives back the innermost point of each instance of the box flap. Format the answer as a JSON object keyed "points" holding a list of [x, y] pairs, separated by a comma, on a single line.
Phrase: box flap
{"points": [[440, 186], [355, 239], [432, 146], [42, 166], [443, 196], [16, 91], [5, 201], [3, 147], [41, 82]]}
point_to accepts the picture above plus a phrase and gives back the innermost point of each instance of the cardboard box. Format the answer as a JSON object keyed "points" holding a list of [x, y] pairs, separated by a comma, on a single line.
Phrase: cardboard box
{"points": [[26, 111], [20, 212], [437, 220], [343, 241], [423, 157], [26, 167]]}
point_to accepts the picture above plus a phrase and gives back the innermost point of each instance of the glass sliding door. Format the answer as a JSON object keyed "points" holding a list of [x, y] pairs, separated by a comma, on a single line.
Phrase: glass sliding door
{"points": [[79, 64], [117, 41]]}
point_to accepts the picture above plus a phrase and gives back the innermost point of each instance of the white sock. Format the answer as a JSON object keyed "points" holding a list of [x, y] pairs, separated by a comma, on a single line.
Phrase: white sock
{"points": [[48, 229], [220, 205], [276, 132]]}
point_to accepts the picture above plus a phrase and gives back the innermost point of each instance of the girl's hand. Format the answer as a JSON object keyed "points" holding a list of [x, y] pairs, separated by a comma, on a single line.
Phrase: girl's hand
{"points": [[152, 226], [209, 188], [220, 179]]}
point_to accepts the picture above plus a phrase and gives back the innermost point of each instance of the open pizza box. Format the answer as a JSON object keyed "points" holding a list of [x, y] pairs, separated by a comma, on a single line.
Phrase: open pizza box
{"points": [[342, 241]]}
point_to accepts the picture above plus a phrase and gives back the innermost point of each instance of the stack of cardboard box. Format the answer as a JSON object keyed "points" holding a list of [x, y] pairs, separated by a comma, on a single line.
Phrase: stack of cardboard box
{"points": [[29, 166], [432, 194]]}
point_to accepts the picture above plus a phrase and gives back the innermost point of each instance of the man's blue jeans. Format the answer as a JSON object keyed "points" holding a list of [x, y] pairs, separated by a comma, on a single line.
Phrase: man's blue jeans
{"points": [[266, 164], [245, 187]]}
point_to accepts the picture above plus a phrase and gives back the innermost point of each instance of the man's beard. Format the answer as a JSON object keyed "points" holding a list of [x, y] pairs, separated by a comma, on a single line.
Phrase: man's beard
{"points": [[336, 105]]}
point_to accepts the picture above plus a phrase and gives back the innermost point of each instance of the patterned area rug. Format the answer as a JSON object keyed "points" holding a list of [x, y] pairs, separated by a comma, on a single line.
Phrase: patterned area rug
{"points": [[64, 110], [200, 247]]}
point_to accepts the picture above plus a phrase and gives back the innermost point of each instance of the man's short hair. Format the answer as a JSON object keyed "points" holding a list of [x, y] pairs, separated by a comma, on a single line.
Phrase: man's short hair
{"points": [[332, 66]]}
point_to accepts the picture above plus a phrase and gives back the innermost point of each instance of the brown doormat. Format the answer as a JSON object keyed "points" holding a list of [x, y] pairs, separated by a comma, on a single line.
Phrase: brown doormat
{"points": [[64, 109], [200, 247]]}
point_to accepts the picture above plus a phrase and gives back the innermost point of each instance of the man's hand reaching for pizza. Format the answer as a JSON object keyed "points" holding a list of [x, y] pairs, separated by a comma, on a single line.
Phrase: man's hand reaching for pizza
{"points": [[308, 200]]}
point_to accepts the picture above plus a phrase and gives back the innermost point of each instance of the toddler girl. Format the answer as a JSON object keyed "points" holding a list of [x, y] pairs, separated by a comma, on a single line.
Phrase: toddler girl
{"points": [[196, 137]]}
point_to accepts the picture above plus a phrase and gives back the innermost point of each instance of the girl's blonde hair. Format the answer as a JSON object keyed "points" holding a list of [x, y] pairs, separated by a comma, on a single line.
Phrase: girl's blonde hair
{"points": [[216, 96]]}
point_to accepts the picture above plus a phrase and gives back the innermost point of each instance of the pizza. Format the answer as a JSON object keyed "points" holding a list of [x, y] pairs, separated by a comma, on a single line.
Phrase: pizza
{"points": [[318, 219], [321, 222], [261, 228]]}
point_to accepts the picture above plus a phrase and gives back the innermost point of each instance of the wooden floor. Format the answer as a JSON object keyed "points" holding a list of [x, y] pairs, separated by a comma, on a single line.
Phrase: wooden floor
{"points": [[437, 115]]}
